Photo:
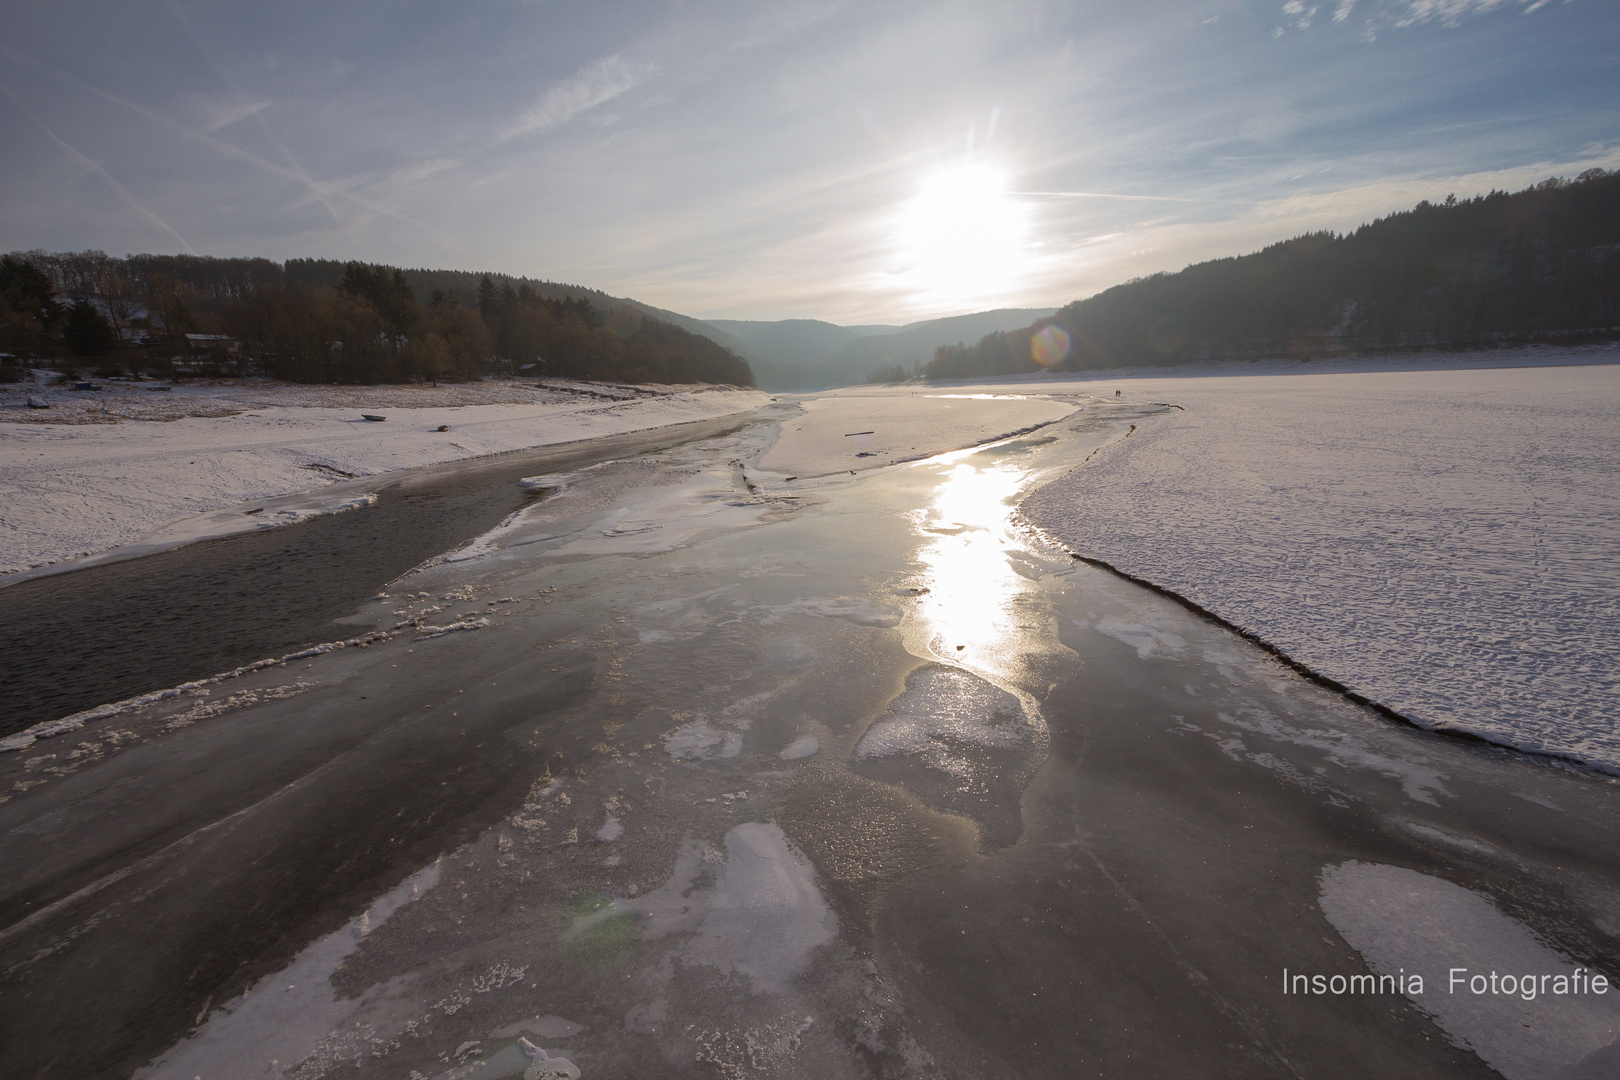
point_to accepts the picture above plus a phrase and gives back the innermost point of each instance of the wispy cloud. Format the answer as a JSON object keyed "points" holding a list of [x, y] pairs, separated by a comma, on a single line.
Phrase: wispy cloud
{"points": [[1447, 12], [1400, 14], [321, 189], [589, 87], [242, 111], [226, 115], [95, 167]]}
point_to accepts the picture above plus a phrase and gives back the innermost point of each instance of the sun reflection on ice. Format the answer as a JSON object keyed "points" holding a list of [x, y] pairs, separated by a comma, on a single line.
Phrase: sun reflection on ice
{"points": [[972, 587]]}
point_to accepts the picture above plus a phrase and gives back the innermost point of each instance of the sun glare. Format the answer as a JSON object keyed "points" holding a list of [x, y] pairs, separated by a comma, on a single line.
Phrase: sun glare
{"points": [[963, 235]]}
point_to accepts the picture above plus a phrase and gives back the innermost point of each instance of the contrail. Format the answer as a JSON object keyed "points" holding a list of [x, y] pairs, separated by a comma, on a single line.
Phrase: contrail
{"points": [[264, 125], [229, 150], [105, 175], [1108, 195]]}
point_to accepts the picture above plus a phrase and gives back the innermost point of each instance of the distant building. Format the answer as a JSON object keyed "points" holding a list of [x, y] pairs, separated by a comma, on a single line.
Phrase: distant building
{"points": [[213, 346]]}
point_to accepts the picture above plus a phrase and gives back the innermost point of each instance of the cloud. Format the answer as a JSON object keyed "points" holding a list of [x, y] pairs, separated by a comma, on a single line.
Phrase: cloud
{"points": [[1448, 12], [591, 86], [1400, 14], [226, 115], [94, 166]]}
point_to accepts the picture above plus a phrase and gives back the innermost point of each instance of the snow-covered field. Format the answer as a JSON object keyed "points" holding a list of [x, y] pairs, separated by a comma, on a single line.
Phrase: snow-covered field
{"points": [[126, 465], [1441, 541]]}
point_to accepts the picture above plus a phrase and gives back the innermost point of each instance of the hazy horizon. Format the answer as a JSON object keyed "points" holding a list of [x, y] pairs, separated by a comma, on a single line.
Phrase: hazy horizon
{"points": [[820, 161]]}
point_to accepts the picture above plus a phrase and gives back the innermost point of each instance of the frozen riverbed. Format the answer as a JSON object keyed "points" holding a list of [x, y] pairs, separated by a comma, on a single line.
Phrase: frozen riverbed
{"points": [[689, 770], [1442, 542]]}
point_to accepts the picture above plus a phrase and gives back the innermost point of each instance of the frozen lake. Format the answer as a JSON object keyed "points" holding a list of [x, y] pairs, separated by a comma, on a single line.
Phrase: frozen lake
{"points": [[689, 769], [1442, 542]]}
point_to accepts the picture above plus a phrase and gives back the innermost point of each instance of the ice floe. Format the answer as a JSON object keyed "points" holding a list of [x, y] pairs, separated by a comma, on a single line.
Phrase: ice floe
{"points": [[761, 915], [1405, 923]]}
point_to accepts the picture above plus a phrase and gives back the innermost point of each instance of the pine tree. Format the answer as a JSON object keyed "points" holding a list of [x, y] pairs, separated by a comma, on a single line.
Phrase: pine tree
{"points": [[87, 331]]}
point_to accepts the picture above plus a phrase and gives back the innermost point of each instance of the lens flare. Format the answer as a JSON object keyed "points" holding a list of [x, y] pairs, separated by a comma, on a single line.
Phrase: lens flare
{"points": [[1050, 345]]}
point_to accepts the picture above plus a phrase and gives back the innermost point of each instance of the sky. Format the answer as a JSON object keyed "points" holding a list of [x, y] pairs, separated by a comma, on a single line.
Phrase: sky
{"points": [[853, 162]]}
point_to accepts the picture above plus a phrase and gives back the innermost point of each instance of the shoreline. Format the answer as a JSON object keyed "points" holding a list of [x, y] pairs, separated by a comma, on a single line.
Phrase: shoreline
{"points": [[83, 494], [237, 600], [1327, 682], [1535, 356]]}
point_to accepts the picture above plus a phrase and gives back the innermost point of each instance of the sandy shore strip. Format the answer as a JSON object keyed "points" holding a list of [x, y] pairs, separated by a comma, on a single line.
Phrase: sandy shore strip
{"points": [[870, 427], [184, 463]]}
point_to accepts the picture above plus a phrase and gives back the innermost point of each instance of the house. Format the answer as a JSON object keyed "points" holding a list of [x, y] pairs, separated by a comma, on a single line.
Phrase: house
{"points": [[213, 346]]}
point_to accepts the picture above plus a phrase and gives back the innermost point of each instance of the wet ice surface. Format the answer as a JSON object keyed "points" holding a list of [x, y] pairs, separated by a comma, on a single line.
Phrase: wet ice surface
{"points": [[1442, 542], [846, 779]]}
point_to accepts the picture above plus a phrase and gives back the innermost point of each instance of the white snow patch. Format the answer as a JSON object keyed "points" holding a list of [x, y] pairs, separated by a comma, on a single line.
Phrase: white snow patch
{"points": [[428, 632], [550, 480], [802, 747], [763, 917], [701, 740], [1402, 921], [547, 1066]]}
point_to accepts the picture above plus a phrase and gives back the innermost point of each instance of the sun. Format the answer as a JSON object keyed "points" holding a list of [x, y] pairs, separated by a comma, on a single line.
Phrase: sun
{"points": [[963, 235]]}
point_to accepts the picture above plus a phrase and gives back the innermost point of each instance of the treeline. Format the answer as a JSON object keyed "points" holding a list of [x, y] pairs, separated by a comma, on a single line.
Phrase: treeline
{"points": [[1542, 264], [312, 320]]}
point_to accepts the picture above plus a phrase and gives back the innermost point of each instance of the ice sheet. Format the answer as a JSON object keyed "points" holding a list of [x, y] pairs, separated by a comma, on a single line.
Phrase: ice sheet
{"points": [[864, 428], [1439, 541], [281, 1020]]}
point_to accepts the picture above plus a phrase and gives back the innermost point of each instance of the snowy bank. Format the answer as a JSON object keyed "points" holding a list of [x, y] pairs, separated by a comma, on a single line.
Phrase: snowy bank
{"points": [[81, 478], [1440, 542]]}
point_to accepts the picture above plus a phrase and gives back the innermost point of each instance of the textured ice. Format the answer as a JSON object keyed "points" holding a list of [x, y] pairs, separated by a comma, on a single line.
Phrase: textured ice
{"points": [[762, 918], [1440, 541], [802, 747], [1404, 922], [1148, 640], [701, 740], [856, 609], [942, 712]]}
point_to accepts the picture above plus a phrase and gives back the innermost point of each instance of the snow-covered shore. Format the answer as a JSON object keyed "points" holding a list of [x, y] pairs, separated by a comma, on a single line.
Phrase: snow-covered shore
{"points": [[126, 465], [1439, 541]]}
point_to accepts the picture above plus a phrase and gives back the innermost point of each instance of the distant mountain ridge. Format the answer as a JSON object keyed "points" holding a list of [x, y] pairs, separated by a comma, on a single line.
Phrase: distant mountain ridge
{"points": [[808, 354]]}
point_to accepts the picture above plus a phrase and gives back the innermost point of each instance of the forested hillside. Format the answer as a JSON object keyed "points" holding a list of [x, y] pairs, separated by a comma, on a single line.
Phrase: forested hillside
{"points": [[1542, 264], [314, 320]]}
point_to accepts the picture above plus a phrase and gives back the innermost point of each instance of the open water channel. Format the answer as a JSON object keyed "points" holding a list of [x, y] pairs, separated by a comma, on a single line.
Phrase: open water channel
{"points": [[689, 770]]}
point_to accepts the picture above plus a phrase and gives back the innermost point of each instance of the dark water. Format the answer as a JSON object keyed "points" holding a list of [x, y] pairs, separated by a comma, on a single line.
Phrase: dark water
{"points": [[79, 639]]}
